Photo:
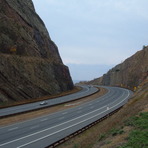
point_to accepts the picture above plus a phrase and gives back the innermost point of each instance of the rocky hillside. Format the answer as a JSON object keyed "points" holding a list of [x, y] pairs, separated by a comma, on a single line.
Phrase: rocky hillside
{"points": [[129, 74], [30, 64]]}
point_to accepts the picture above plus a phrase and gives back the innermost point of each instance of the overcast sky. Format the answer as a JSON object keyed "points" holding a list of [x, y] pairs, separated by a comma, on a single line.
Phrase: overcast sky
{"points": [[95, 35]]}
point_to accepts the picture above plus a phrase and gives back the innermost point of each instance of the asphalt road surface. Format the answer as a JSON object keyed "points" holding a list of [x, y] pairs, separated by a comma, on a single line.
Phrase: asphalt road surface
{"points": [[86, 90], [43, 131]]}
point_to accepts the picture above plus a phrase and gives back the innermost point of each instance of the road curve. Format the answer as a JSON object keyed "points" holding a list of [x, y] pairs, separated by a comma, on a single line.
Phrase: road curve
{"points": [[42, 132], [86, 91]]}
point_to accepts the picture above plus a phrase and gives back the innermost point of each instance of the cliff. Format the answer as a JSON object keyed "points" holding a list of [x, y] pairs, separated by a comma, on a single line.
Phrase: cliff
{"points": [[30, 64], [132, 72]]}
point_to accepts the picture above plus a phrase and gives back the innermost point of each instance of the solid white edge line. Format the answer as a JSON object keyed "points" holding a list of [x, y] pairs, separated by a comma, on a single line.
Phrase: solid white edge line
{"points": [[32, 119], [70, 126], [59, 130], [62, 124], [51, 127]]}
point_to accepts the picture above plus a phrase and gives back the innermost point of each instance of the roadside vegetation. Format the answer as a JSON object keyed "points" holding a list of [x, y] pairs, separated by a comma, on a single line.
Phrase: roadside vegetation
{"points": [[138, 137], [132, 134]]}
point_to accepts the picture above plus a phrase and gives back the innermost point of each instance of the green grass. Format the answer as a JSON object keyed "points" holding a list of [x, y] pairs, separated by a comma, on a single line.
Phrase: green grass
{"points": [[101, 136], [138, 138], [75, 146], [115, 131], [140, 121]]}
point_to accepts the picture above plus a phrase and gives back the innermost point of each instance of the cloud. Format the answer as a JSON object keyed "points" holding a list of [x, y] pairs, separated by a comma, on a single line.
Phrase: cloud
{"points": [[95, 31], [87, 72], [133, 7], [92, 56]]}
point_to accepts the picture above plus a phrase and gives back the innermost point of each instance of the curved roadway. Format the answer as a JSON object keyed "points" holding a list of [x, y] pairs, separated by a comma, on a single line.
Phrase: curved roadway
{"points": [[43, 131], [86, 90]]}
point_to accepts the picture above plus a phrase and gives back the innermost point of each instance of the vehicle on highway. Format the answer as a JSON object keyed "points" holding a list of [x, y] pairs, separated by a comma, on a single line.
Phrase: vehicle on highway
{"points": [[27, 107], [43, 103], [49, 130]]}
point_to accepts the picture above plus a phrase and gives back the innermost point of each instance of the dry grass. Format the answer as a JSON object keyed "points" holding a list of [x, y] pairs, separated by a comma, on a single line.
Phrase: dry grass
{"points": [[41, 112], [90, 138], [115, 141]]}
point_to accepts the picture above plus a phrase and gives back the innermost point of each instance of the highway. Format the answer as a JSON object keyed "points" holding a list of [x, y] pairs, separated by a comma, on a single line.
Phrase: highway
{"points": [[43, 131], [86, 90]]}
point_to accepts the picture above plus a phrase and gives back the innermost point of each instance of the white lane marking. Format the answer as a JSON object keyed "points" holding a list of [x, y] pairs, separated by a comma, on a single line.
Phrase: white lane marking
{"points": [[11, 129], [38, 117], [61, 118], [45, 119], [59, 130], [51, 127], [87, 89], [69, 126], [72, 104], [64, 113], [60, 125], [122, 100], [34, 127], [117, 99]]}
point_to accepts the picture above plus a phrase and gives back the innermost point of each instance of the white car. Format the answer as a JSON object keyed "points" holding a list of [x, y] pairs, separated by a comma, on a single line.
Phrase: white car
{"points": [[43, 103]]}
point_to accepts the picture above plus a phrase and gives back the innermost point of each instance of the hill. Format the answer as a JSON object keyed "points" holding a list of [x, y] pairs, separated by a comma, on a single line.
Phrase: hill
{"points": [[30, 64], [132, 72]]}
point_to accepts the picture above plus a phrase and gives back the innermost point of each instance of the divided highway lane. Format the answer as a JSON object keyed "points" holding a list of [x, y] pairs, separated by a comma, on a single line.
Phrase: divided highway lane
{"points": [[43, 131], [86, 90]]}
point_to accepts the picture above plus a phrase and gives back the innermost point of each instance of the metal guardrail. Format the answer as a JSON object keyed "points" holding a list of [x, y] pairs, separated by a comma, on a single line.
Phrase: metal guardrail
{"points": [[113, 109], [57, 143]]}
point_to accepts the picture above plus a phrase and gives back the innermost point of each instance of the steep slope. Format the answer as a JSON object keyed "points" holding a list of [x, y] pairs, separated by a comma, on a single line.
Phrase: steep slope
{"points": [[23, 32], [129, 74], [30, 64]]}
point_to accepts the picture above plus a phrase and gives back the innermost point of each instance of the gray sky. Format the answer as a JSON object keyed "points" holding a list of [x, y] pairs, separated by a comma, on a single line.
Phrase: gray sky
{"points": [[95, 35]]}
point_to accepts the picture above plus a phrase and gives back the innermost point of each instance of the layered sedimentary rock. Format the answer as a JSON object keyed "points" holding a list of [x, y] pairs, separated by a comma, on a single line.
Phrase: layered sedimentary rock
{"points": [[130, 73], [30, 64]]}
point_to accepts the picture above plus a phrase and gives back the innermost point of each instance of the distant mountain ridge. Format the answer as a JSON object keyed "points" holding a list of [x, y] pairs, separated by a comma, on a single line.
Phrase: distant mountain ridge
{"points": [[132, 72], [30, 64]]}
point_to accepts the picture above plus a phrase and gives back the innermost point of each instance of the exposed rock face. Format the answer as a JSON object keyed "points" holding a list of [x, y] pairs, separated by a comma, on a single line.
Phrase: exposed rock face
{"points": [[30, 64], [21, 28], [130, 73]]}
